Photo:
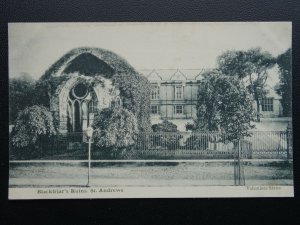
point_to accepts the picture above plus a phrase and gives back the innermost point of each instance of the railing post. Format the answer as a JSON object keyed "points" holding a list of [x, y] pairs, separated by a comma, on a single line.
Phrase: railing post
{"points": [[239, 161], [238, 172], [288, 139]]}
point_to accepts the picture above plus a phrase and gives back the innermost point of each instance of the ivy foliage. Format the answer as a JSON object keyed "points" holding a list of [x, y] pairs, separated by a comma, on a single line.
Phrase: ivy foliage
{"points": [[45, 89], [134, 88], [135, 96], [31, 124], [117, 63], [88, 64], [224, 104]]}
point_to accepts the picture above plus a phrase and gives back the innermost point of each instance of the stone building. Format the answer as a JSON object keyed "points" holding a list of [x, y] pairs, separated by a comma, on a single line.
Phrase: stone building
{"points": [[174, 96]]}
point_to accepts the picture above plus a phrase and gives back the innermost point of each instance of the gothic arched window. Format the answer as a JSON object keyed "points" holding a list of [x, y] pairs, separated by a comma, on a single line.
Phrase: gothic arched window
{"points": [[82, 106]]}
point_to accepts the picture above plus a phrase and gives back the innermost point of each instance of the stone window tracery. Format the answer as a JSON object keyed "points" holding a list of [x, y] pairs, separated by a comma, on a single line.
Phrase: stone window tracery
{"points": [[82, 104]]}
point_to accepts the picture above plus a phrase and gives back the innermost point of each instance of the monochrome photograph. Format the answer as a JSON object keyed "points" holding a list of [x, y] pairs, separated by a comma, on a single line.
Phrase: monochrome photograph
{"points": [[150, 110]]}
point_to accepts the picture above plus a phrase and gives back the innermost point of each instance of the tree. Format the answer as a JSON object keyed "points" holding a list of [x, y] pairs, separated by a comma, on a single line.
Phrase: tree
{"points": [[224, 104], [31, 125], [284, 88], [207, 114], [251, 65], [115, 129], [21, 92]]}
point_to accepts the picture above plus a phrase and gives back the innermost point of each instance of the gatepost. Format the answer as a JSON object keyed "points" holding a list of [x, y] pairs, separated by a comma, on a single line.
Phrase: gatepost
{"points": [[288, 140], [238, 167]]}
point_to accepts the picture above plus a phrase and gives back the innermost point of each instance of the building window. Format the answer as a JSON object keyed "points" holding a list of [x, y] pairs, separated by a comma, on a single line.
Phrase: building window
{"points": [[267, 105], [178, 109], [154, 92], [178, 92], [154, 109]]}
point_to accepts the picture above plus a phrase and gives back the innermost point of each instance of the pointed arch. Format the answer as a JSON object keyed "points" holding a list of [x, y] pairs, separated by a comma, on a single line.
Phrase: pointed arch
{"points": [[114, 61]]}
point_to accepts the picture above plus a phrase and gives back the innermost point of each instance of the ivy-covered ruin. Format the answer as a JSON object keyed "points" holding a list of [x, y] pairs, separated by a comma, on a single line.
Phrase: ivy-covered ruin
{"points": [[85, 80]]}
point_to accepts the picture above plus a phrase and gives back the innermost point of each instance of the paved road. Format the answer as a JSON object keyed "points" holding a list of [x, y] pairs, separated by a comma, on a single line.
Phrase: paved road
{"points": [[144, 174]]}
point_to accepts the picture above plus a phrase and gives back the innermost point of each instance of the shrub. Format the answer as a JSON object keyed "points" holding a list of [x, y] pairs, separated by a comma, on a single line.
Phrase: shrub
{"points": [[197, 142], [33, 124], [163, 140], [190, 127], [115, 130], [165, 126]]}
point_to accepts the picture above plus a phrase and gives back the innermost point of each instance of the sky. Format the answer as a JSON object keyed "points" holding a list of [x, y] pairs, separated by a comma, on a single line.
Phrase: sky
{"points": [[34, 47]]}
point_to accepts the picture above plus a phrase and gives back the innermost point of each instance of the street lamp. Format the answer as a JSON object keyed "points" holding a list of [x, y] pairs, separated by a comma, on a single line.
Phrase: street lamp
{"points": [[89, 135]]}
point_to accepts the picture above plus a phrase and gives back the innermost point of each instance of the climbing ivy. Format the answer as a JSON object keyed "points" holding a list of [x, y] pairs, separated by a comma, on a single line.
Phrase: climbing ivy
{"points": [[135, 95], [44, 89], [117, 63], [134, 88]]}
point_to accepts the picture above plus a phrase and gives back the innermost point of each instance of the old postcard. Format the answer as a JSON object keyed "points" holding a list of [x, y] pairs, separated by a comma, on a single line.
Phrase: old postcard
{"points": [[150, 110]]}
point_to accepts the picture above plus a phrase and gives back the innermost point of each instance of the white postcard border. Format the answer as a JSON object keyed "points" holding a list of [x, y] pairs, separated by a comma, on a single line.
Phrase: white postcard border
{"points": [[151, 192]]}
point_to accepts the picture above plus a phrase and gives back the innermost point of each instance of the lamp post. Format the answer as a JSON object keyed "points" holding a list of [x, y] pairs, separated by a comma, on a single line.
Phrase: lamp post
{"points": [[89, 135]]}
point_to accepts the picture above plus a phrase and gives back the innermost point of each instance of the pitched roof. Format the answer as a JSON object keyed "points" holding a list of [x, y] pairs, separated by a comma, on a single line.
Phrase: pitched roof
{"points": [[173, 74]]}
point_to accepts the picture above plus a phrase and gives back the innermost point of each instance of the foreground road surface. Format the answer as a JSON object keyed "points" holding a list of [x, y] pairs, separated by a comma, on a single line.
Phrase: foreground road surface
{"points": [[145, 174]]}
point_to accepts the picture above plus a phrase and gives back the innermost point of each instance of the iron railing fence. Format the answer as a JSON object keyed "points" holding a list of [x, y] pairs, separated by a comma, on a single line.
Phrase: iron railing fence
{"points": [[59, 146], [259, 144], [183, 144], [270, 144], [167, 145]]}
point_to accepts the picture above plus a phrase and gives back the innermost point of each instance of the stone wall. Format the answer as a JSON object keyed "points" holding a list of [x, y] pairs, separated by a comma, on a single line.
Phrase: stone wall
{"points": [[105, 92]]}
